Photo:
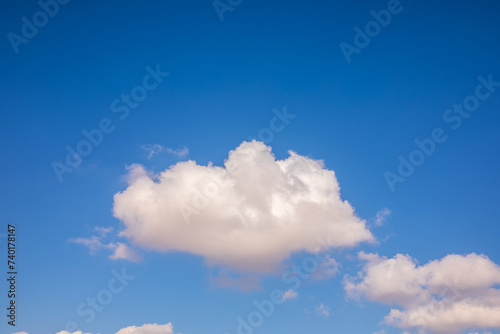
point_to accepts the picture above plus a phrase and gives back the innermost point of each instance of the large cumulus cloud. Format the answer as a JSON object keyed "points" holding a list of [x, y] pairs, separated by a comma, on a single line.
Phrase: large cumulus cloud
{"points": [[248, 215], [448, 295]]}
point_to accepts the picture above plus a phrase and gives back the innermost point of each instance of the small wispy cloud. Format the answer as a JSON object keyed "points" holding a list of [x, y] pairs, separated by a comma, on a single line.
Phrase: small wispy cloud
{"points": [[327, 269], [323, 310], [384, 332], [290, 294], [103, 231], [381, 216], [230, 280], [95, 244], [124, 252], [154, 149]]}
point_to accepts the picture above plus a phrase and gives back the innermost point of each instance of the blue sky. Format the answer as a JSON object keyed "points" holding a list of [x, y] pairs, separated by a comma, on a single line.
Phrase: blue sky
{"points": [[227, 80]]}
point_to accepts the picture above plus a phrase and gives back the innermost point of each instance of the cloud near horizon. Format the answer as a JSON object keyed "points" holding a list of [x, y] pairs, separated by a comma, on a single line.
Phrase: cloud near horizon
{"points": [[248, 215], [144, 329], [448, 295]]}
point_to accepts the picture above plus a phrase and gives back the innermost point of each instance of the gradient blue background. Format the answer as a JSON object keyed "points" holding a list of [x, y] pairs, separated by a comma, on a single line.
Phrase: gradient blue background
{"points": [[225, 79]]}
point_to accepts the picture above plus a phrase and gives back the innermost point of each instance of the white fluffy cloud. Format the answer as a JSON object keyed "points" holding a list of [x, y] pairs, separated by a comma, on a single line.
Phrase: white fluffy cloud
{"points": [[248, 215], [448, 295]]}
